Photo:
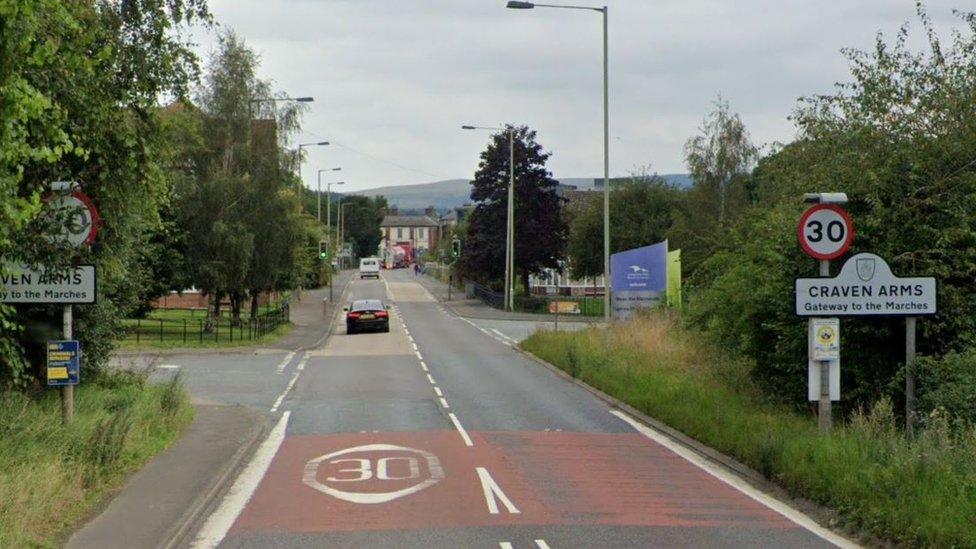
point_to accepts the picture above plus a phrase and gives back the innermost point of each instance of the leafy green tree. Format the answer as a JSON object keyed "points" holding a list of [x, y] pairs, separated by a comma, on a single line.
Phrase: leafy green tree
{"points": [[362, 218], [642, 212], [899, 140], [540, 231]]}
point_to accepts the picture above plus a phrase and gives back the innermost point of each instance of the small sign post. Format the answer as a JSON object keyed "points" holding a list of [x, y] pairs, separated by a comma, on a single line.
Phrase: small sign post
{"points": [[825, 232]]}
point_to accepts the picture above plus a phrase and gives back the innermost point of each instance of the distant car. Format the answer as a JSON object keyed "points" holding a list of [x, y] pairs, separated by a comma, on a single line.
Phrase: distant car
{"points": [[369, 267], [367, 314]]}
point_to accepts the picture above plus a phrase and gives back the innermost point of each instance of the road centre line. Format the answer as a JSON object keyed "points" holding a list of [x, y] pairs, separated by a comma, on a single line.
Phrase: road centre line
{"points": [[505, 545], [461, 431], [736, 482], [438, 391], [430, 378], [284, 362], [419, 356], [220, 521], [444, 403], [423, 365], [541, 544]]}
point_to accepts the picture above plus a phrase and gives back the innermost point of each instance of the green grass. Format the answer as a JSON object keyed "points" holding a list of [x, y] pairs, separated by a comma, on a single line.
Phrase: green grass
{"points": [[52, 476], [173, 338], [912, 493]]}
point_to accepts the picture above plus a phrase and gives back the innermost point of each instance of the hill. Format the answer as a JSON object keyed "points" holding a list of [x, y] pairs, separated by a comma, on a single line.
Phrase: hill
{"points": [[452, 193]]}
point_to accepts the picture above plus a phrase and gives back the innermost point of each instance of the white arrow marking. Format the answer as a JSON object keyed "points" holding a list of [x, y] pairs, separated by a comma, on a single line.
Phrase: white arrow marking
{"points": [[492, 490]]}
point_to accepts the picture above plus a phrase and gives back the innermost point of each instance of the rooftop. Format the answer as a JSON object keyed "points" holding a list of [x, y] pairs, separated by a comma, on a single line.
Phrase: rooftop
{"points": [[408, 221]]}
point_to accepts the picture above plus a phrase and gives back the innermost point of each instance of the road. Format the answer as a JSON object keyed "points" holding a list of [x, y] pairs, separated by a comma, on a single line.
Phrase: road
{"points": [[439, 434]]}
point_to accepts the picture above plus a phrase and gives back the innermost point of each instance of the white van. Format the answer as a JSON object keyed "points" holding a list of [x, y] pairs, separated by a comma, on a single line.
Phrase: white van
{"points": [[369, 267]]}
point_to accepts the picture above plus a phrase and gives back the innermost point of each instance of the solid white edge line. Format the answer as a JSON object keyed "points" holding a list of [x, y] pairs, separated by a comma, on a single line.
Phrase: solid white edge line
{"points": [[737, 482], [444, 403], [461, 431], [221, 520], [541, 544]]}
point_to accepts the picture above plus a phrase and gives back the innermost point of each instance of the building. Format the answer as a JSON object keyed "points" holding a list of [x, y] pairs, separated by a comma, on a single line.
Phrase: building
{"points": [[415, 234]]}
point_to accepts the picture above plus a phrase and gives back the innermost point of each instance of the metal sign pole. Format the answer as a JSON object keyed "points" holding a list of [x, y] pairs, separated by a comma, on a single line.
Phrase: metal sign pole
{"points": [[825, 411], [910, 376], [67, 391]]}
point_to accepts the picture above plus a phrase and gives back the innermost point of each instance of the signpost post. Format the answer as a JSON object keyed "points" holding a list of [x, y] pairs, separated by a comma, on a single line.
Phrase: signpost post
{"points": [[825, 232]]}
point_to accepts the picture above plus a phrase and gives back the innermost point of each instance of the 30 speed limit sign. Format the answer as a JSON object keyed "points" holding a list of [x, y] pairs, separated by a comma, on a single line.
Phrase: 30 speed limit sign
{"points": [[825, 231]]}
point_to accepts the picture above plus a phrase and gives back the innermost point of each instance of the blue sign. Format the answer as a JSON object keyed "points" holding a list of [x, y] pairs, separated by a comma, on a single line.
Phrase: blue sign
{"points": [[63, 363], [638, 279]]}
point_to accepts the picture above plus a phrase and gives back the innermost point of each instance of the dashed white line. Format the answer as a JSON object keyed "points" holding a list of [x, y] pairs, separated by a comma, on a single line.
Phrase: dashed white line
{"points": [[168, 367], [444, 403], [423, 365], [541, 544], [501, 334], [284, 362], [438, 391], [219, 523], [430, 378], [419, 356], [736, 482], [414, 345], [505, 545], [461, 431]]}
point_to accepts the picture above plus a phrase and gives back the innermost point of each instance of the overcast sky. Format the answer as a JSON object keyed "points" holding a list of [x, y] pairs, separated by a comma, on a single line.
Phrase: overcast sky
{"points": [[393, 80]]}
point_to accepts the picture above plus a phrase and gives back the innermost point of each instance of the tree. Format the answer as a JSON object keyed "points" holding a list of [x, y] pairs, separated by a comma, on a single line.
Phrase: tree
{"points": [[540, 231], [361, 222], [720, 160], [642, 211]]}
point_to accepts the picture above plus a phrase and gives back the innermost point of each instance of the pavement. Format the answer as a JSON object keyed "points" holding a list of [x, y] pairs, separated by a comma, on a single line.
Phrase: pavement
{"points": [[437, 434]]}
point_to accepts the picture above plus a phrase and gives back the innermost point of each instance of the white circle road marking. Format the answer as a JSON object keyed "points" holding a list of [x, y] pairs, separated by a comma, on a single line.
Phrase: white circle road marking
{"points": [[365, 471]]}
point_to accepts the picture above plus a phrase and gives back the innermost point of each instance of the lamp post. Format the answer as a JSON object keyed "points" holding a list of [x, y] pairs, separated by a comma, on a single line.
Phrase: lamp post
{"points": [[510, 216], [301, 182], [341, 222], [606, 141], [328, 200]]}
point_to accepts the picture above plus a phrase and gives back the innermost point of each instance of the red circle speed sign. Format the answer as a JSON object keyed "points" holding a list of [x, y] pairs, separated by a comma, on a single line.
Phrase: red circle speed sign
{"points": [[825, 231]]}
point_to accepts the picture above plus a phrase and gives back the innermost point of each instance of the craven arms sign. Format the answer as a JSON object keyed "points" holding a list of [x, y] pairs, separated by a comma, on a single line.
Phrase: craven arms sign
{"points": [[865, 286]]}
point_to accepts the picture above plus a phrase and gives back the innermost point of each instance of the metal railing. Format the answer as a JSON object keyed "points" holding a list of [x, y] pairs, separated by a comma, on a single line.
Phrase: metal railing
{"points": [[223, 328]]}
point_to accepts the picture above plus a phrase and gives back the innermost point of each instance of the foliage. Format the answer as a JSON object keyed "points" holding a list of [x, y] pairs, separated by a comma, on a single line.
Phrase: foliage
{"points": [[540, 231], [361, 223], [642, 212], [910, 493], [53, 475], [899, 140], [948, 383], [79, 83]]}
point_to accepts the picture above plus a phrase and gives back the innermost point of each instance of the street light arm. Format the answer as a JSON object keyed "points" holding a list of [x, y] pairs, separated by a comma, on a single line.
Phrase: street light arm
{"points": [[529, 5]]}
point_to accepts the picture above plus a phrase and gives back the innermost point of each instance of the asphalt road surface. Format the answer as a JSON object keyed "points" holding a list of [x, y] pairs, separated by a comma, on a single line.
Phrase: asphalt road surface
{"points": [[439, 434]]}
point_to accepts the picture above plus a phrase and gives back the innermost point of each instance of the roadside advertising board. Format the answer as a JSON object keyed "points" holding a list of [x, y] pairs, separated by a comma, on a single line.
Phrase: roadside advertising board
{"points": [[865, 286], [564, 307], [63, 363], [639, 279], [71, 285]]}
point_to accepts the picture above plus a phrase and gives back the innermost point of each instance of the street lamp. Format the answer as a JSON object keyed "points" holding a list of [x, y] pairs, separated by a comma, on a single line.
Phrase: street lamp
{"points": [[301, 182], [327, 202], [606, 141], [340, 234], [510, 216]]}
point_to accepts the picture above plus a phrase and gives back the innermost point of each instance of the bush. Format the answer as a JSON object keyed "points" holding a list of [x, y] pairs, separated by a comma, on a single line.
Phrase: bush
{"points": [[948, 383]]}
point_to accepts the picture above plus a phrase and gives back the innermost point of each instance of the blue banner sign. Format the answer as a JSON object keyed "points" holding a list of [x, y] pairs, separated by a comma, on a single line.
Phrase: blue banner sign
{"points": [[63, 363], [639, 278]]}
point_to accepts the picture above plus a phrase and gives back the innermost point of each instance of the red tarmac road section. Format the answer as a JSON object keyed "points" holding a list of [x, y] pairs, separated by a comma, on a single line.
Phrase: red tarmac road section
{"points": [[430, 479]]}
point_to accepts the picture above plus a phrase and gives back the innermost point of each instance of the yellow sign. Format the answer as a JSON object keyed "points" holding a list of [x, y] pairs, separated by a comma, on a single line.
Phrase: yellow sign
{"points": [[825, 339], [564, 307]]}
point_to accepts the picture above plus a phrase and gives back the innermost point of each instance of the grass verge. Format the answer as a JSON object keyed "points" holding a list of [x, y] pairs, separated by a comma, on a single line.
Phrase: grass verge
{"points": [[52, 476], [913, 493]]}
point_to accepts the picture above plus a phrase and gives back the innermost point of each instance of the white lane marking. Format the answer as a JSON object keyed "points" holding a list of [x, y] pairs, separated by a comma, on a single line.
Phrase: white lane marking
{"points": [[240, 493], [414, 345], [541, 544], [430, 378], [492, 491], [503, 335], [463, 433], [505, 545], [168, 367], [424, 366], [284, 362], [294, 378], [444, 403], [365, 470], [736, 482], [438, 391], [419, 356]]}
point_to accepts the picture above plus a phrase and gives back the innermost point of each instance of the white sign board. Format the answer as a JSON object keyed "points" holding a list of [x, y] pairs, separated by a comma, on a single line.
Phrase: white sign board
{"points": [[865, 287], [824, 339], [20, 284]]}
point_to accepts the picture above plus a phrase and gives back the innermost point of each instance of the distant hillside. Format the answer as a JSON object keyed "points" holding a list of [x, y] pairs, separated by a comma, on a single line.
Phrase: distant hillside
{"points": [[452, 193]]}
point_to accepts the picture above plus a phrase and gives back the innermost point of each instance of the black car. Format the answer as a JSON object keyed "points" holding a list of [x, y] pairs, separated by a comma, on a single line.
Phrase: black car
{"points": [[367, 314]]}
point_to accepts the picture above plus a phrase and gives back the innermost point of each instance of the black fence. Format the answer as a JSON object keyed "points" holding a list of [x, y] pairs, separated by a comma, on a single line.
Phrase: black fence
{"points": [[189, 330]]}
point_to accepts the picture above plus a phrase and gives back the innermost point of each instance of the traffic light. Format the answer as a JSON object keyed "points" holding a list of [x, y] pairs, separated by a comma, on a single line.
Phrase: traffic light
{"points": [[456, 248], [323, 250]]}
